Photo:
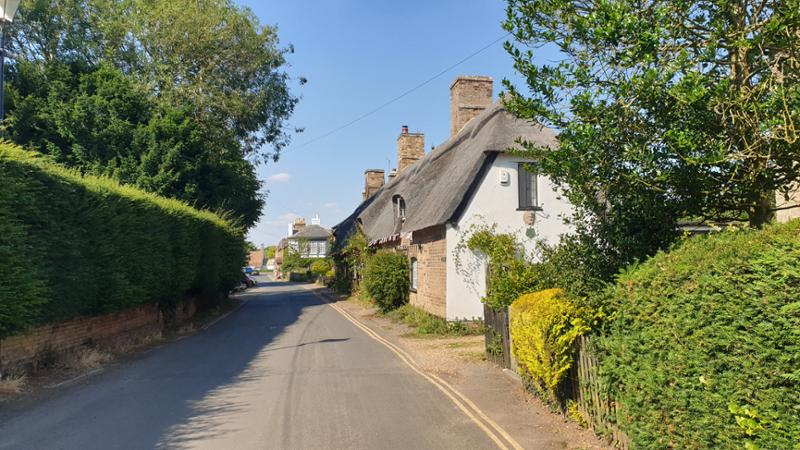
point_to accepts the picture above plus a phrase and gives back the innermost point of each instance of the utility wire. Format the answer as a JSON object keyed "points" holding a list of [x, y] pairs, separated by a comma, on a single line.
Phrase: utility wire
{"points": [[384, 105]]}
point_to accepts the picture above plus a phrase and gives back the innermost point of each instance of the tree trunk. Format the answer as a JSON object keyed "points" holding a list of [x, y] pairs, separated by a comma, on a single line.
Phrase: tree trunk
{"points": [[763, 211]]}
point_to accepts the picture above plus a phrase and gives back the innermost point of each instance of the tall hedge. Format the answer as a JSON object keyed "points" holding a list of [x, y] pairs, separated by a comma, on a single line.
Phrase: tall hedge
{"points": [[704, 347], [73, 245]]}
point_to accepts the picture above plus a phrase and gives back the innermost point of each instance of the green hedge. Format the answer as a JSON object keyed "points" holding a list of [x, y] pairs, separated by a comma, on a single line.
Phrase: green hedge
{"points": [[703, 350], [386, 279], [72, 245]]}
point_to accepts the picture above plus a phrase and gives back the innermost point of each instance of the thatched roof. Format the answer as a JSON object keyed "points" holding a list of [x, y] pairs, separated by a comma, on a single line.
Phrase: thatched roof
{"points": [[436, 188]]}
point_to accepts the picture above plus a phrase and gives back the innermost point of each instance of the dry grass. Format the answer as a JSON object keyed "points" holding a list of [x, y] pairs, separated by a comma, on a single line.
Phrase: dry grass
{"points": [[85, 358], [129, 345], [11, 384]]}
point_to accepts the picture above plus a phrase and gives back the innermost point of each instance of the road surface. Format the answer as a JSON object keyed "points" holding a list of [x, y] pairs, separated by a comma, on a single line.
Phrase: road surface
{"points": [[284, 371]]}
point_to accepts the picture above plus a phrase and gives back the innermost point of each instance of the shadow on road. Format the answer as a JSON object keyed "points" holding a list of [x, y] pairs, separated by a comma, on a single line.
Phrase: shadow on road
{"points": [[174, 395]]}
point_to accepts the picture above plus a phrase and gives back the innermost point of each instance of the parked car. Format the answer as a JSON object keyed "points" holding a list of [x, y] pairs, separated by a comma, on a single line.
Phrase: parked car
{"points": [[248, 270], [249, 281], [256, 271]]}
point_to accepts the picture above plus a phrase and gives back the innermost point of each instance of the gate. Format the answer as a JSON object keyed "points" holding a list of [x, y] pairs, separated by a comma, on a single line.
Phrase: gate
{"points": [[496, 336]]}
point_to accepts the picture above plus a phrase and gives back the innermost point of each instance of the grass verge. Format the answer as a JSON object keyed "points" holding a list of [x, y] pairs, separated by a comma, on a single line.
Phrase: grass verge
{"points": [[427, 324]]}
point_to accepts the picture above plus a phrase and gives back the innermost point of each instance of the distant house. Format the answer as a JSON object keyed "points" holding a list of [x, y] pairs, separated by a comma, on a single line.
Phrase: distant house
{"points": [[311, 241], [256, 259], [429, 205]]}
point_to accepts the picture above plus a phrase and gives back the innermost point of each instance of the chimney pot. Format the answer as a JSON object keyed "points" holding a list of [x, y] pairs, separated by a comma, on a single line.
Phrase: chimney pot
{"points": [[404, 129]]}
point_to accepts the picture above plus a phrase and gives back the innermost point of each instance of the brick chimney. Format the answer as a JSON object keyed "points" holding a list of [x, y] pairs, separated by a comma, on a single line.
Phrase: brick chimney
{"points": [[469, 96], [410, 148], [298, 225], [373, 180]]}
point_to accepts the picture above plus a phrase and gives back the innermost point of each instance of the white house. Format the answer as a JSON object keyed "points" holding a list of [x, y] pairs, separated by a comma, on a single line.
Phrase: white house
{"points": [[429, 206]]}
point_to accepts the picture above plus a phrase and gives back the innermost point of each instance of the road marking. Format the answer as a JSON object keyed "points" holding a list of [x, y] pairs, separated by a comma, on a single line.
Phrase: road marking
{"points": [[465, 404]]}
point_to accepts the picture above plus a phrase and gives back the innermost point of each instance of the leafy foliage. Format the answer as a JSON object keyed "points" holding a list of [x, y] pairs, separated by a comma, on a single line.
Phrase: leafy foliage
{"points": [[510, 272], [666, 110], [152, 93], [321, 267], [703, 347], [82, 245], [386, 279], [350, 260], [100, 122], [544, 326]]}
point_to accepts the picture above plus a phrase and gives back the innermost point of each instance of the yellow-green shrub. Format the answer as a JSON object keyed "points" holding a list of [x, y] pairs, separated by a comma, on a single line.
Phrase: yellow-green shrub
{"points": [[544, 326]]}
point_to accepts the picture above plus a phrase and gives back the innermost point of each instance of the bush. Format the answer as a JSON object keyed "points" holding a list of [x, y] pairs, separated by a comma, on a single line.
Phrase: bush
{"points": [[703, 349], [544, 326], [321, 267], [73, 245], [386, 279], [510, 273]]}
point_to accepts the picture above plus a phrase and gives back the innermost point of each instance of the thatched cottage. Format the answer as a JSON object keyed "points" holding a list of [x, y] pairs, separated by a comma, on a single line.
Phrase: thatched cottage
{"points": [[428, 206]]}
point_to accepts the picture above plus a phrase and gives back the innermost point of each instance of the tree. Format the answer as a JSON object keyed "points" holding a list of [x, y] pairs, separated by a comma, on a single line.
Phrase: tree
{"points": [[99, 121], [666, 110], [181, 98], [214, 56]]}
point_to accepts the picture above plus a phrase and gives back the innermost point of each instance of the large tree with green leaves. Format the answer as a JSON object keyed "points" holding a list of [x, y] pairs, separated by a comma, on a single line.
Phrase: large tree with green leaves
{"points": [[180, 97], [666, 110]]}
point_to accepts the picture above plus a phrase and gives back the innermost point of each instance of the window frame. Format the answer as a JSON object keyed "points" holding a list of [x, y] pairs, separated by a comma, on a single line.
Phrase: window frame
{"points": [[414, 274], [525, 179]]}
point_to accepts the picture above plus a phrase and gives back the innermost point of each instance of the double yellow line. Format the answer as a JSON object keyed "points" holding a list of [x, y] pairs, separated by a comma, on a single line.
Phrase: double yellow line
{"points": [[494, 431]]}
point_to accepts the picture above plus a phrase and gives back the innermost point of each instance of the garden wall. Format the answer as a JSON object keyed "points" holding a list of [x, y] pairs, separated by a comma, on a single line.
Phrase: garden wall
{"points": [[24, 352]]}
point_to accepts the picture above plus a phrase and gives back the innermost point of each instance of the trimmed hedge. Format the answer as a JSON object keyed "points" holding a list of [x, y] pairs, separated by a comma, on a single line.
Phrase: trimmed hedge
{"points": [[544, 326], [386, 279], [703, 350], [77, 245]]}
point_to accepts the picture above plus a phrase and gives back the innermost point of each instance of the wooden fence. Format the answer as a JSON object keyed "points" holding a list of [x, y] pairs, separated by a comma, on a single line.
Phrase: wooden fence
{"points": [[581, 386]]}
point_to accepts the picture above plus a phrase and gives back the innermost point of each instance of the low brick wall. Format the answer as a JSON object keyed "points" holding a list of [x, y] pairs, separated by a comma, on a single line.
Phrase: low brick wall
{"points": [[23, 351]]}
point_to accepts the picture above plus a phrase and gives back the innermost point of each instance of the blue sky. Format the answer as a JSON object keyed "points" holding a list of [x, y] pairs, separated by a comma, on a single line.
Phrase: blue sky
{"points": [[356, 56]]}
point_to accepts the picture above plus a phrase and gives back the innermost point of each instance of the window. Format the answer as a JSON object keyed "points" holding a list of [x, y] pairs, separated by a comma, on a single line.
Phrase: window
{"points": [[414, 274], [528, 195], [400, 207]]}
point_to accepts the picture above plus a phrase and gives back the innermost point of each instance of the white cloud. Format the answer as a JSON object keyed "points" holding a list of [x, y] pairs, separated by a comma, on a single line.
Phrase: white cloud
{"points": [[282, 177], [331, 205], [288, 217]]}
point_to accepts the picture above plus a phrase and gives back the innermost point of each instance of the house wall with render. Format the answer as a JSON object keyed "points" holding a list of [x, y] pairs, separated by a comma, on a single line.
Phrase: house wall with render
{"points": [[496, 203], [785, 215]]}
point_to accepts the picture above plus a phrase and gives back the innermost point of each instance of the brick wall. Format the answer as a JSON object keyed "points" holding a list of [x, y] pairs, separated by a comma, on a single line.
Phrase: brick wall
{"points": [[430, 250], [469, 96], [23, 350]]}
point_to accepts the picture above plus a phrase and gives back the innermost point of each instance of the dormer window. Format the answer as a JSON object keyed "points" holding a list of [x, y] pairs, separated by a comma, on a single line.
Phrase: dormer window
{"points": [[400, 208]]}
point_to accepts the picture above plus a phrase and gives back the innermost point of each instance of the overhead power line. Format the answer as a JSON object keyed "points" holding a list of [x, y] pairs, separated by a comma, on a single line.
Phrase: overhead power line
{"points": [[409, 91]]}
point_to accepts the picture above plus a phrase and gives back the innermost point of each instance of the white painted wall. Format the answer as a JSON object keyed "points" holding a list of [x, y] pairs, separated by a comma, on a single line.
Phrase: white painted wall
{"points": [[495, 203]]}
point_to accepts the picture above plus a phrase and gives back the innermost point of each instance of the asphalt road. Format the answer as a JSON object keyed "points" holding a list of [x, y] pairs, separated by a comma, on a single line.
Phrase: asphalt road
{"points": [[284, 371]]}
